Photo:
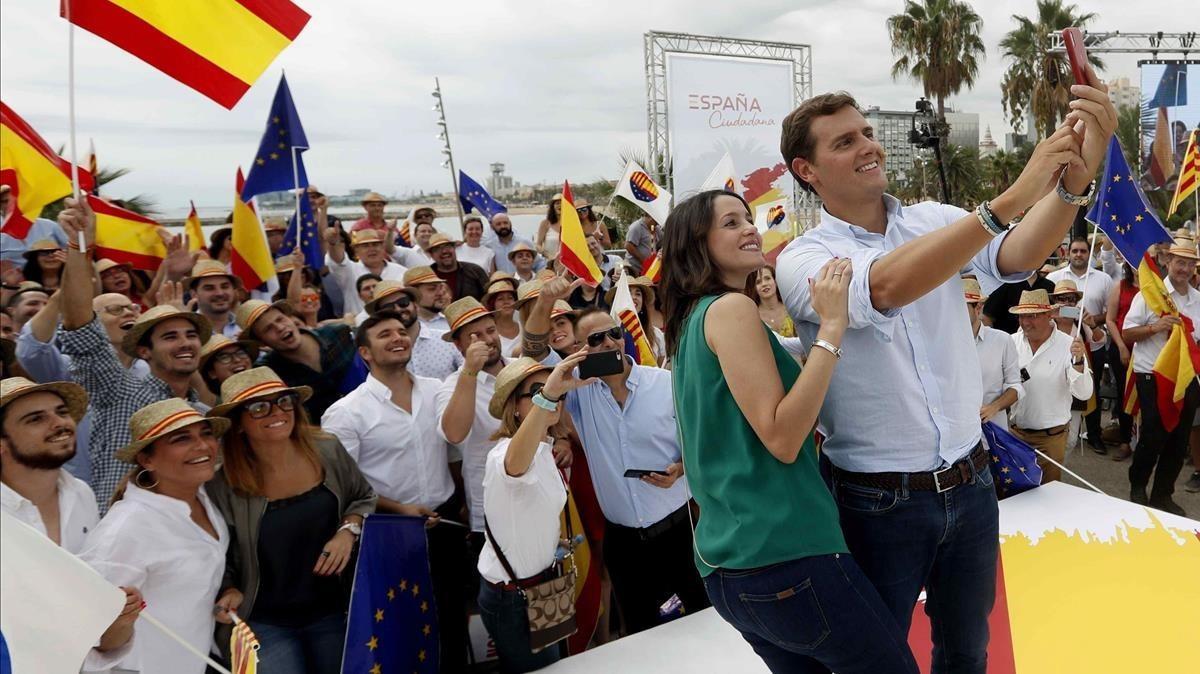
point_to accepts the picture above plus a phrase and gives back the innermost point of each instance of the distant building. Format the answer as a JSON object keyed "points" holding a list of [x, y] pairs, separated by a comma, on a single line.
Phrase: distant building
{"points": [[891, 130], [964, 128], [1123, 94], [500, 185], [1013, 140], [987, 146]]}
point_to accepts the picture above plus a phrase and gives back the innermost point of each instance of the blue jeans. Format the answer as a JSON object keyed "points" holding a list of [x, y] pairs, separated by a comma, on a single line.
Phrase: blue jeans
{"points": [[505, 617], [947, 543], [815, 614], [315, 648]]}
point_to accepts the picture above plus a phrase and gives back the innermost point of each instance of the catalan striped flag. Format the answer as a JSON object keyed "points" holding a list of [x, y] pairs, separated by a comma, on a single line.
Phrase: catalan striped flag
{"points": [[574, 252], [195, 233], [243, 648], [217, 47], [34, 173], [251, 260], [1189, 172], [624, 312], [125, 236]]}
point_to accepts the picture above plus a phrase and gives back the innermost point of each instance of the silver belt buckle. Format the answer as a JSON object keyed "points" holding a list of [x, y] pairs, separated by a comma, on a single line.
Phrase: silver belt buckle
{"points": [[937, 479]]}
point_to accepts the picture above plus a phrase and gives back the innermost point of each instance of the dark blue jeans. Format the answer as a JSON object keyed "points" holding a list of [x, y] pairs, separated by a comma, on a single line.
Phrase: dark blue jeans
{"points": [[315, 648], [946, 543], [505, 617], [817, 614]]}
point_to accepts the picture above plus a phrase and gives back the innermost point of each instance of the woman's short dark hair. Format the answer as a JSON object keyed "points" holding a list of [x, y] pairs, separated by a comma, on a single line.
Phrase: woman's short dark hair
{"points": [[688, 273]]}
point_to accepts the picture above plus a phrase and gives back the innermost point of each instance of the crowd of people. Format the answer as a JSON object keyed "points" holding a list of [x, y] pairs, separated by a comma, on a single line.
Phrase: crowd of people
{"points": [[202, 444]]}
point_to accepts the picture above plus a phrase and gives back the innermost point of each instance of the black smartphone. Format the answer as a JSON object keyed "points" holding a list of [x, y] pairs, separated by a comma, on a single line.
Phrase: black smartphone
{"points": [[601, 364], [638, 473]]}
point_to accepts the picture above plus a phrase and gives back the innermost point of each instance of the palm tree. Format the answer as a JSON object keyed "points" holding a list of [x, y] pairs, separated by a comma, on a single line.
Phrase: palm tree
{"points": [[1129, 132], [140, 203], [937, 43], [1001, 171], [1036, 79]]}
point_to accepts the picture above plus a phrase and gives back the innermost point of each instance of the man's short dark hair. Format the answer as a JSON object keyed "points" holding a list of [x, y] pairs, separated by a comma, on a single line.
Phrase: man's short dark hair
{"points": [[1079, 239], [796, 139], [361, 340], [364, 278]]}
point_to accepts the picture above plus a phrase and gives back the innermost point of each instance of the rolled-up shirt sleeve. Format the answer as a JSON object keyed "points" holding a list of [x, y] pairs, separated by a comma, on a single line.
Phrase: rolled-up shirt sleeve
{"points": [[42, 360], [1010, 366], [986, 265], [1080, 383], [796, 265]]}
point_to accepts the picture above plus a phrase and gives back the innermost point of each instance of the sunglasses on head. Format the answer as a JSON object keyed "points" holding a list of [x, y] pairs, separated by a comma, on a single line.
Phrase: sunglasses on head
{"points": [[261, 408], [534, 389], [597, 338]]}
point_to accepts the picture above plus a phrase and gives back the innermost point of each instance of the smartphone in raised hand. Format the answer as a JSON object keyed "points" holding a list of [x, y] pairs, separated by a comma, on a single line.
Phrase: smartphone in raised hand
{"points": [[1076, 53]]}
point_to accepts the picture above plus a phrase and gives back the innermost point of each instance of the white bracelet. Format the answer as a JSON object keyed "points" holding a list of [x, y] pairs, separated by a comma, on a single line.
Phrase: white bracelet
{"points": [[828, 347]]}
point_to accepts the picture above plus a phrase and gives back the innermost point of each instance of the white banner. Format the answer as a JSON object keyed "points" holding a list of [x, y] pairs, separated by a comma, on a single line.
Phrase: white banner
{"points": [[728, 104]]}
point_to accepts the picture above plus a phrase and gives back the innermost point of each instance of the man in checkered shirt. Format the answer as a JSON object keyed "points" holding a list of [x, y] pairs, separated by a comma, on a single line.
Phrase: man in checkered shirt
{"points": [[166, 336]]}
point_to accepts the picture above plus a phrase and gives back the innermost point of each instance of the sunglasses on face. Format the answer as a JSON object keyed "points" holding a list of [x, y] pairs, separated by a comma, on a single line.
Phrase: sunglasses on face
{"points": [[312, 297], [118, 309], [227, 357], [597, 338], [584, 209], [261, 408], [402, 303], [534, 389]]}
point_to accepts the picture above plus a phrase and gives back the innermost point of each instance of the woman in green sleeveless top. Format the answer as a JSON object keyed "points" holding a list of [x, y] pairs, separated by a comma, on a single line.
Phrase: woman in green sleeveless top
{"points": [[767, 541]]}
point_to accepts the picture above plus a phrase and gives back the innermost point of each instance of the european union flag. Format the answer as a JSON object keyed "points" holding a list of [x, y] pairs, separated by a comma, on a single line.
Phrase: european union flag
{"points": [[472, 194], [308, 239], [1120, 209], [392, 625], [1172, 87], [272, 169], [1014, 464]]}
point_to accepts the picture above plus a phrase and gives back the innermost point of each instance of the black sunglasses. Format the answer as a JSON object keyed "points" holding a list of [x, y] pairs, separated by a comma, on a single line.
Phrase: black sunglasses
{"points": [[261, 408], [597, 338], [583, 209], [534, 389], [401, 303]]}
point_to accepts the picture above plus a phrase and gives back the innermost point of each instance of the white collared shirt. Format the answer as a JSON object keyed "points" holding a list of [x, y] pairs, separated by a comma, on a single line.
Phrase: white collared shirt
{"points": [[523, 512], [475, 447], [347, 273], [1146, 351], [77, 511], [1052, 382], [999, 367], [150, 542], [401, 454]]}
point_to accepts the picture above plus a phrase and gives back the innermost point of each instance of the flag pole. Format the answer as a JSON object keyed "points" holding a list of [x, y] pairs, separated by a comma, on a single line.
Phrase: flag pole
{"points": [[71, 113], [182, 642], [1083, 291], [296, 185]]}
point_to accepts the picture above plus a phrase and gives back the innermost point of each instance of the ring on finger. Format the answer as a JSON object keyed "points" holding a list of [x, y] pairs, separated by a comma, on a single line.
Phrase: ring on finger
{"points": [[324, 553]]}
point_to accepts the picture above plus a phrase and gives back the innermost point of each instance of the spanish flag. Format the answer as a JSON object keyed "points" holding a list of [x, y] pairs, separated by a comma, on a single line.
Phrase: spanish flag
{"points": [[195, 234], [35, 174], [125, 236], [217, 47], [251, 261], [652, 267], [574, 252]]}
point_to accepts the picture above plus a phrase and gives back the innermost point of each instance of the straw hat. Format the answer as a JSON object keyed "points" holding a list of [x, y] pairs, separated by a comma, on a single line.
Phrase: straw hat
{"points": [[285, 264], [363, 236], [255, 383], [556, 197], [39, 246], [72, 394], [972, 292], [1065, 287], [461, 312], [506, 277], [493, 289], [528, 291], [423, 275], [386, 289], [152, 317], [561, 308], [642, 282], [412, 212], [161, 418], [374, 197], [26, 286], [545, 275], [207, 269], [1032, 302], [521, 247], [273, 225], [104, 264], [219, 341], [1184, 247], [440, 239], [251, 310], [509, 379]]}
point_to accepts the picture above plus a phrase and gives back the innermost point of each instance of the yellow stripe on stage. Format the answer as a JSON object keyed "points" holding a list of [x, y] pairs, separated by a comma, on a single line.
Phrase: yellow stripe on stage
{"points": [[230, 36]]}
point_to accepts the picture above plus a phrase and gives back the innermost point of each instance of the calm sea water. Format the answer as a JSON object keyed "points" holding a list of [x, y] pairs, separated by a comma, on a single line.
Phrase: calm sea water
{"points": [[523, 225]]}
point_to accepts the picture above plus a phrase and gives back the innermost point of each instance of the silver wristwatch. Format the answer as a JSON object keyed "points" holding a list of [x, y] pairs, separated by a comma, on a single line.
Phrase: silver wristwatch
{"points": [[353, 527], [1075, 200]]}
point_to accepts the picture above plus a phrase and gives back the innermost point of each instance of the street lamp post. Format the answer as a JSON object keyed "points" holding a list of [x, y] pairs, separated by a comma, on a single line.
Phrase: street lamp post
{"points": [[444, 136]]}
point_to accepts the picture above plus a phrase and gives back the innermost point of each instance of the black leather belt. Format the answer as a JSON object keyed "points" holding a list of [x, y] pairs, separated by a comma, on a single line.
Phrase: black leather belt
{"points": [[513, 586], [1052, 431], [658, 528], [941, 480]]}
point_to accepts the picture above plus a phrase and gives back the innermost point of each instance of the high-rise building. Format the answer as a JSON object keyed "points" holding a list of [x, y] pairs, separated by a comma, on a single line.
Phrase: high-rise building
{"points": [[987, 146], [891, 130], [964, 128], [498, 184], [1123, 94]]}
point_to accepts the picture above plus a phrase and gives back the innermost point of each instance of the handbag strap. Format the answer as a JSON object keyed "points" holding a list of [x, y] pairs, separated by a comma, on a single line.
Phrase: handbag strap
{"points": [[512, 575]]}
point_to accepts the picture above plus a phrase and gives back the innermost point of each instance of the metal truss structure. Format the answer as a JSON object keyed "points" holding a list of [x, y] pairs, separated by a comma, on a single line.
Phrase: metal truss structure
{"points": [[1116, 42]]}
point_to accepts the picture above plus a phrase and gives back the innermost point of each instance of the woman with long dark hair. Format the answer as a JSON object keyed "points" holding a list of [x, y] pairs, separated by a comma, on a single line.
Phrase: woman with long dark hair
{"points": [[549, 234], [44, 262], [767, 542], [762, 288]]}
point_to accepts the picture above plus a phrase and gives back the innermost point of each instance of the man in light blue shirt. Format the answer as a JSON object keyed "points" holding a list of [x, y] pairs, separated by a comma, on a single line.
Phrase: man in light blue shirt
{"points": [[12, 248], [502, 241], [901, 418]]}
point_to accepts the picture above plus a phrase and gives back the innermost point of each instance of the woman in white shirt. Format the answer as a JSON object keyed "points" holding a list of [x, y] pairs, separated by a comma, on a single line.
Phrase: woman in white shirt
{"points": [[472, 250], [523, 495], [165, 537]]}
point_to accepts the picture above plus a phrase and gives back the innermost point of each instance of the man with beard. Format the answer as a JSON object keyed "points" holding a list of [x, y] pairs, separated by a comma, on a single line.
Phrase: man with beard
{"points": [[215, 290], [432, 297], [502, 241], [37, 436], [431, 356], [167, 337], [387, 427], [323, 358], [372, 258], [465, 279]]}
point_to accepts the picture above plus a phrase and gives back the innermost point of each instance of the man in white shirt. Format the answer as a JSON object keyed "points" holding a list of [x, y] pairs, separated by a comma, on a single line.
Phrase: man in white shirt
{"points": [[387, 425], [431, 355], [1160, 450], [1095, 286], [997, 360], [432, 297], [1054, 369], [37, 437], [368, 246]]}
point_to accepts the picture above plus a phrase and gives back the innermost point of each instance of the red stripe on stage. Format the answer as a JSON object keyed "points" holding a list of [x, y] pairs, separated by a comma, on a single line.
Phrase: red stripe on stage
{"points": [[141, 261], [283, 16], [138, 37]]}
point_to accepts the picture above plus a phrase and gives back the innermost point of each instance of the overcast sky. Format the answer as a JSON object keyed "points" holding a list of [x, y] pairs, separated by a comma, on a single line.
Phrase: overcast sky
{"points": [[554, 89]]}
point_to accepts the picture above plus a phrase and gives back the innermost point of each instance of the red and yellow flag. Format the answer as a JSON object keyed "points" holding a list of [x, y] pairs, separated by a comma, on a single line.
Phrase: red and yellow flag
{"points": [[195, 234], [652, 267], [251, 260], [624, 311], [35, 174], [1189, 173], [574, 252], [125, 236], [217, 47], [243, 648]]}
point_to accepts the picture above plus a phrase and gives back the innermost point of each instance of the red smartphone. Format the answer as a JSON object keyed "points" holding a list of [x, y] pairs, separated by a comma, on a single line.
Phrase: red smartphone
{"points": [[1076, 53]]}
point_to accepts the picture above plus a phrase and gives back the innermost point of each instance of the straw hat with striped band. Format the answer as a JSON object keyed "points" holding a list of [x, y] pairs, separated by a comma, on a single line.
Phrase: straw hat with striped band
{"points": [[422, 275], [72, 394], [461, 312], [528, 291], [219, 341], [255, 383], [972, 293], [521, 247], [1033, 302], [285, 264], [498, 276], [209, 269], [440, 239], [497, 288], [374, 197], [1184, 247], [274, 225], [642, 282], [384, 290], [1065, 287], [104, 264], [40, 246], [251, 310], [152, 317], [364, 236], [561, 308], [509, 379], [161, 418]]}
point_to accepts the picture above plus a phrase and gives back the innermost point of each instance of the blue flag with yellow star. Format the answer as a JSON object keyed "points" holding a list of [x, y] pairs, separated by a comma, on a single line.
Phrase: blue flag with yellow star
{"points": [[472, 195], [306, 233], [272, 169], [392, 626], [1120, 209]]}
